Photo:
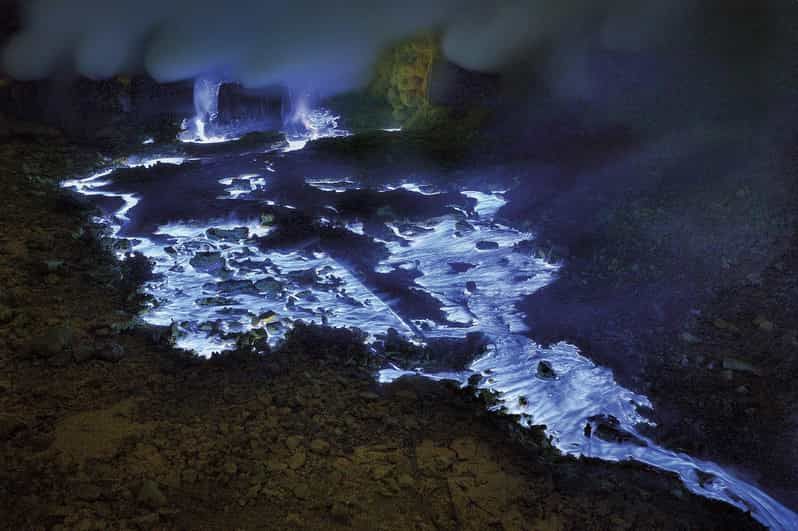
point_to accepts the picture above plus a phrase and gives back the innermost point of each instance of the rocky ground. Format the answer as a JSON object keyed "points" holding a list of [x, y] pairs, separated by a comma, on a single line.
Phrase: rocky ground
{"points": [[105, 426], [679, 266], [687, 288]]}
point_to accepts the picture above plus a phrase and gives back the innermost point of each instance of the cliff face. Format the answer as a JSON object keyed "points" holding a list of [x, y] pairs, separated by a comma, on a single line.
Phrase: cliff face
{"points": [[102, 112]]}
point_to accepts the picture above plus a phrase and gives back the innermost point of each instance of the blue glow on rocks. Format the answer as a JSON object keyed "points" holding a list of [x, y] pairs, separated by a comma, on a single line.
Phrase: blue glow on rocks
{"points": [[214, 282]]}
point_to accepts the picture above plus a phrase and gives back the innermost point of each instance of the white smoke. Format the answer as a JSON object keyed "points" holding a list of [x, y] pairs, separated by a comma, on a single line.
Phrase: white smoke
{"points": [[328, 47]]}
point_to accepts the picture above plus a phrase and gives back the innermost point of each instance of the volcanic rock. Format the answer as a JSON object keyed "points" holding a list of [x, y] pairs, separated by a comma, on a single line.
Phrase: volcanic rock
{"points": [[320, 446], [150, 494], [461, 267], [208, 262], [52, 341], [485, 245], [228, 235], [545, 370]]}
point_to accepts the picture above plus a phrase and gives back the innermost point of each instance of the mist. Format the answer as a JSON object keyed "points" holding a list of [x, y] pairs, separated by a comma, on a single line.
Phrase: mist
{"points": [[330, 47]]}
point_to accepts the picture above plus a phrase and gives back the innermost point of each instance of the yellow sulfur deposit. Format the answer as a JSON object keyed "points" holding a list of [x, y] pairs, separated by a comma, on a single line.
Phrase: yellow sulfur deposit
{"points": [[402, 75]]}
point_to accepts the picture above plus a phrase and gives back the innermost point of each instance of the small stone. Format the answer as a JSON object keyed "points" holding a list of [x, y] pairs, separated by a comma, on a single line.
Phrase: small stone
{"points": [[150, 494], [228, 235], [88, 492], [406, 481], [270, 286], [461, 267], [216, 301], [147, 520], [484, 245], [264, 319], [297, 459], [208, 262], [294, 520], [293, 441], [379, 472], [52, 341], [465, 448], [54, 265], [319, 446], [234, 287], [6, 314], [122, 245], [368, 395], [734, 364], [546, 371], [464, 226], [301, 491], [274, 328], [274, 465], [83, 352], [687, 337], [61, 359], [112, 352], [231, 468], [721, 324], [87, 524], [339, 511]]}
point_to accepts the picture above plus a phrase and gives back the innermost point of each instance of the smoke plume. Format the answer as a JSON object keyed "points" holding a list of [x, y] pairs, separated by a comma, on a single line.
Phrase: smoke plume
{"points": [[330, 46]]}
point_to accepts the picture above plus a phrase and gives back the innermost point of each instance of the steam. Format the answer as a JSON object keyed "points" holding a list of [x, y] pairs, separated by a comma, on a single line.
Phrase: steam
{"points": [[312, 44], [707, 49], [206, 108], [326, 46]]}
